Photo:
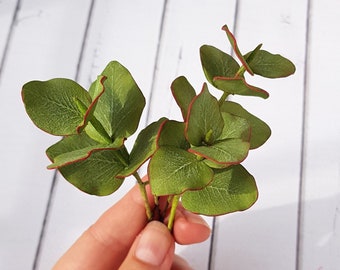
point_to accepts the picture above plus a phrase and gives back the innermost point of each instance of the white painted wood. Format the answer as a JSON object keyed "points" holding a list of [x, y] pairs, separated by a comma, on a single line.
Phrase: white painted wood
{"points": [[45, 43], [184, 33], [7, 10], [128, 32], [320, 231], [264, 237]]}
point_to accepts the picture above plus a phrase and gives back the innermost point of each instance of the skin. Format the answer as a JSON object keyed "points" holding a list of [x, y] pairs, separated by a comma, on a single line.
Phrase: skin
{"points": [[130, 242]]}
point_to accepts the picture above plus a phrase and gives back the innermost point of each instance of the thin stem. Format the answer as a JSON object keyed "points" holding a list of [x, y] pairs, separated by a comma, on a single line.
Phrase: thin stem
{"points": [[144, 194], [240, 72], [174, 205], [223, 98], [156, 199]]}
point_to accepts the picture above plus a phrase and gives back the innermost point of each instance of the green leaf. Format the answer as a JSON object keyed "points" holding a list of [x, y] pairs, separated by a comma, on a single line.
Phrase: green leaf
{"points": [[205, 122], [233, 43], [75, 148], [214, 165], [232, 189], [270, 65], [216, 63], [172, 134], [51, 105], [91, 125], [88, 114], [69, 144], [260, 131], [120, 107], [226, 152], [97, 134], [234, 128], [145, 145], [183, 93], [250, 56], [173, 171], [238, 86], [95, 175]]}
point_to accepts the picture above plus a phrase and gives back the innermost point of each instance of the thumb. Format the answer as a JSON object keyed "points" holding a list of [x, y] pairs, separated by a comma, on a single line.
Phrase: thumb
{"points": [[153, 248]]}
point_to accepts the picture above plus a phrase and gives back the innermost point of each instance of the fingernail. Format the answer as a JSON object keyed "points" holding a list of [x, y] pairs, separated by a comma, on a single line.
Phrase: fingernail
{"points": [[153, 244]]}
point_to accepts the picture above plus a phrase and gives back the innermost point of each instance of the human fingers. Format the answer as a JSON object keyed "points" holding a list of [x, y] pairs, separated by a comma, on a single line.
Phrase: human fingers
{"points": [[153, 249], [180, 264], [105, 244], [189, 228]]}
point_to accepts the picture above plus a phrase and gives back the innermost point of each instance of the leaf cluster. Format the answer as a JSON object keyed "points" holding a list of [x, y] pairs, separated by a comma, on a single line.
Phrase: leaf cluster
{"points": [[197, 160]]}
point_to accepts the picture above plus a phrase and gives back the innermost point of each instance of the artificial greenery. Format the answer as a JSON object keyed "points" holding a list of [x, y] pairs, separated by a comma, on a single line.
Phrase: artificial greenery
{"points": [[196, 161]]}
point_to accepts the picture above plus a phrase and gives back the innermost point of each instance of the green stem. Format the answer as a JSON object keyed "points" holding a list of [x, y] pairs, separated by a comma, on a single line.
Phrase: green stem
{"points": [[240, 72], [144, 194], [174, 205], [156, 199], [223, 98]]}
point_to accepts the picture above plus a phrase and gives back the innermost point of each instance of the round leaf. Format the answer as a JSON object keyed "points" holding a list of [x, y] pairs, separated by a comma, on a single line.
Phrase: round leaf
{"points": [[172, 134], [145, 145], [95, 175], [233, 43], [238, 86], [217, 63], [271, 65], [120, 106], [205, 122], [260, 131], [173, 171], [183, 93], [232, 189], [75, 148], [91, 125], [234, 128], [230, 151], [51, 105]]}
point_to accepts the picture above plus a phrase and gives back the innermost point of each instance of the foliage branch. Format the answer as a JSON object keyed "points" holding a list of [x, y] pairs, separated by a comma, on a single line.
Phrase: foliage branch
{"points": [[196, 161]]}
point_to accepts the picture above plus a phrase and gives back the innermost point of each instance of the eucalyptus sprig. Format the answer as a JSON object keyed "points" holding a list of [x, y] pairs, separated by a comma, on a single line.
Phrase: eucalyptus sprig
{"points": [[196, 161]]}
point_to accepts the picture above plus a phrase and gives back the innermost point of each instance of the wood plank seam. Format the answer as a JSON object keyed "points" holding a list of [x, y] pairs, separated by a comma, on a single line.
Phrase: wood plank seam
{"points": [[55, 175], [155, 68], [83, 45], [301, 204], [213, 235], [9, 36], [45, 221]]}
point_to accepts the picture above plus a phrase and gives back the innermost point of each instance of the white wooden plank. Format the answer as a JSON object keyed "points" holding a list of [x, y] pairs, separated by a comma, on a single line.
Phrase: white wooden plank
{"points": [[45, 43], [320, 240], [7, 11], [264, 237], [187, 26], [126, 31], [261, 238]]}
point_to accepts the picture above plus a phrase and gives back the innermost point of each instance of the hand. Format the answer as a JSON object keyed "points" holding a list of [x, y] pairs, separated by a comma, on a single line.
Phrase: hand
{"points": [[123, 239]]}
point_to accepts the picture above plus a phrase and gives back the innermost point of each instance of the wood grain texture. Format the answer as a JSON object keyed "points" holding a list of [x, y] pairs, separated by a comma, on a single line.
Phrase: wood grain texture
{"points": [[8, 12], [265, 236], [45, 42], [320, 209]]}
